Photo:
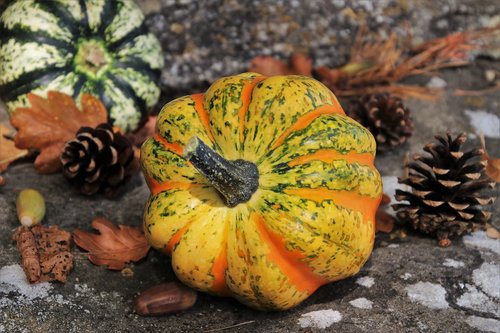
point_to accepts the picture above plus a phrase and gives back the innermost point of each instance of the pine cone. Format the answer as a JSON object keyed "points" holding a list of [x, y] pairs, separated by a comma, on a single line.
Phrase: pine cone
{"points": [[98, 160], [385, 116], [445, 198]]}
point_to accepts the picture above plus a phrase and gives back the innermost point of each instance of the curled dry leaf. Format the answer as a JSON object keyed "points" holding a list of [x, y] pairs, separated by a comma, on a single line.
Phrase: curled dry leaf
{"points": [[45, 252], [50, 122], [114, 246], [384, 222], [269, 66], [26, 245], [8, 151], [493, 166]]}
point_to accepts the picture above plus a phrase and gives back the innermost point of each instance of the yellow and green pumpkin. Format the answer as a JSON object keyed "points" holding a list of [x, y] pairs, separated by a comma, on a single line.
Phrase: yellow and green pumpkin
{"points": [[261, 189]]}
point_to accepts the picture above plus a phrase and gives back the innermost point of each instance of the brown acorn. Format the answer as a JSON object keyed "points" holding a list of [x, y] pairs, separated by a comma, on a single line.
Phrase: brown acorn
{"points": [[168, 297]]}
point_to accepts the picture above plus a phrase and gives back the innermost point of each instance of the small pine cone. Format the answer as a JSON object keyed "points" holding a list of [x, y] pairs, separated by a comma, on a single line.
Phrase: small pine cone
{"points": [[98, 160], [445, 199], [385, 116]]}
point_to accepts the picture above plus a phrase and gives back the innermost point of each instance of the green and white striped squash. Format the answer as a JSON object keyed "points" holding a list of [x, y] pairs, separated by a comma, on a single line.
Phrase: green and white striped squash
{"points": [[101, 47]]}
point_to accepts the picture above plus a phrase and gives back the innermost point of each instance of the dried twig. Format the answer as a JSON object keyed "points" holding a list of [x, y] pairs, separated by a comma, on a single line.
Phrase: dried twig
{"points": [[481, 92], [229, 327], [376, 66]]}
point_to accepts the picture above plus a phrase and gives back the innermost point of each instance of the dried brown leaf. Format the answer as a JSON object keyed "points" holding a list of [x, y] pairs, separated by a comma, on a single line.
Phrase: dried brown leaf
{"points": [[114, 246], [384, 222], [148, 130], [8, 151], [493, 166], [385, 200], [269, 66], [50, 122]]}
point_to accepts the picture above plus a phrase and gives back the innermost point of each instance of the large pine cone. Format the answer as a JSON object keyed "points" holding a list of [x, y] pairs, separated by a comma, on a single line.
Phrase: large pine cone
{"points": [[99, 160], [445, 198], [385, 116]]}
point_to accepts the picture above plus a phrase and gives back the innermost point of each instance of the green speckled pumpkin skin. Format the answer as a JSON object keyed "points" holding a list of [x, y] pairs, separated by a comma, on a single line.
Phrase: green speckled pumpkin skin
{"points": [[311, 220], [101, 47]]}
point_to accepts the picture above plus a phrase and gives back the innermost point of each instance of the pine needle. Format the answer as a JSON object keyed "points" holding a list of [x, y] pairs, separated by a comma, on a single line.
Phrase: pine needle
{"points": [[378, 65]]}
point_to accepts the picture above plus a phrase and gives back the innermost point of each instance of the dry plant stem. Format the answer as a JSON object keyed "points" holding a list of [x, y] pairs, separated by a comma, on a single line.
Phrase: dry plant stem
{"points": [[377, 66], [22, 154], [481, 92], [231, 326]]}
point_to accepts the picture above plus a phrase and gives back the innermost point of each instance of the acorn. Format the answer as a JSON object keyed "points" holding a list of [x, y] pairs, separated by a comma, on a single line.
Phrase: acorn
{"points": [[30, 206], [168, 297]]}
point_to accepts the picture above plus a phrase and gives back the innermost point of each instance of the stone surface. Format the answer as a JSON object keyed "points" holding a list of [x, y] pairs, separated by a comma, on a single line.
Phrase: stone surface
{"points": [[203, 40]]}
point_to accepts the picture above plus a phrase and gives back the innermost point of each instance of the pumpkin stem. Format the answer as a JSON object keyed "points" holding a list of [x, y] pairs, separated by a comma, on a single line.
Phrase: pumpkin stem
{"points": [[236, 180]]}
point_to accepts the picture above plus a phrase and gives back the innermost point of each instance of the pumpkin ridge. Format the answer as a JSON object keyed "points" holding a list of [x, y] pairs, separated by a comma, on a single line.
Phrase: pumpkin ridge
{"points": [[203, 114], [334, 247], [346, 199], [219, 268], [329, 155], [176, 238], [26, 81], [299, 273], [39, 37], [63, 15], [173, 147], [157, 187], [304, 121], [246, 97]]}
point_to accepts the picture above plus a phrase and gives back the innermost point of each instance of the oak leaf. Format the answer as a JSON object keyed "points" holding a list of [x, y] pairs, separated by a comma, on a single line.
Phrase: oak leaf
{"points": [[270, 66], [50, 122], [8, 151], [493, 167], [114, 246]]}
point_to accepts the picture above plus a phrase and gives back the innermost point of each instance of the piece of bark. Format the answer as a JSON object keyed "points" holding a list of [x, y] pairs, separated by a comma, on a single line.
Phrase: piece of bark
{"points": [[45, 252], [26, 245]]}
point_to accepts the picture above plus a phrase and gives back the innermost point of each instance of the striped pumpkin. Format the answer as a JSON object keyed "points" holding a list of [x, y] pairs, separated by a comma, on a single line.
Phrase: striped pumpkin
{"points": [[262, 189], [101, 47]]}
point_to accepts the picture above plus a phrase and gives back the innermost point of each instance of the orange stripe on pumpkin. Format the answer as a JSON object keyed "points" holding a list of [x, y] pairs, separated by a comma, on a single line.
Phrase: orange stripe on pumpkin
{"points": [[219, 268], [289, 262], [246, 96], [336, 104], [347, 199], [176, 238], [328, 156], [202, 113], [173, 147], [155, 187], [307, 119]]}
